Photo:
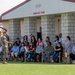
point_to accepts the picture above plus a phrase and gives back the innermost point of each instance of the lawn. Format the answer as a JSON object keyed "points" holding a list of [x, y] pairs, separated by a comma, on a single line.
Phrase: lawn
{"points": [[18, 68]]}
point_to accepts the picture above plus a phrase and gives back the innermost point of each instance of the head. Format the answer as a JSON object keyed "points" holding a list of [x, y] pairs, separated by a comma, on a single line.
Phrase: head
{"points": [[39, 40], [25, 37], [4, 34], [57, 38], [33, 38], [22, 44], [59, 44], [68, 38], [10, 45], [14, 45], [47, 39], [17, 39]]}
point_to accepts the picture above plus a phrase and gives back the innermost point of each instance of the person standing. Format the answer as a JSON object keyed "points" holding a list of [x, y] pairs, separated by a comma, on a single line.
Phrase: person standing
{"points": [[4, 46], [68, 48]]}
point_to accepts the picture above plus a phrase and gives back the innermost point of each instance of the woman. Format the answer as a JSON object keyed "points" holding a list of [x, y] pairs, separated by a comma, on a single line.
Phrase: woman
{"points": [[68, 48], [72, 55], [25, 39], [30, 53], [57, 49], [60, 37], [33, 40], [39, 42], [47, 40], [56, 41], [48, 51]]}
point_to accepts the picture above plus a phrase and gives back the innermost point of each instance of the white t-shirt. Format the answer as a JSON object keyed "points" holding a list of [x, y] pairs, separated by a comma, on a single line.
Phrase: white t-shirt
{"points": [[26, 49]]}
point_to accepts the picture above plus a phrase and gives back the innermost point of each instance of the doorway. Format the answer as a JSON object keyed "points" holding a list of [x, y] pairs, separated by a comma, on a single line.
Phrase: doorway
{"points": [[57, 25], [39, 29]]}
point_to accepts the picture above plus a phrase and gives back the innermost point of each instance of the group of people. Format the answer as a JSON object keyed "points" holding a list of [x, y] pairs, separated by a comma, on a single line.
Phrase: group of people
{"points": [[32, 50]]}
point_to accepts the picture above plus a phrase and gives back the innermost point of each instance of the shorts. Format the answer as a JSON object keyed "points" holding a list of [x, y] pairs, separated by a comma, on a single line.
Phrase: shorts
{"points": [[14, 54]]}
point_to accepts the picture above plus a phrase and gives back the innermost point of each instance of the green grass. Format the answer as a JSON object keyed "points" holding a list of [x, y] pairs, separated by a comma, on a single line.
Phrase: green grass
{"points": [[19, 68]]}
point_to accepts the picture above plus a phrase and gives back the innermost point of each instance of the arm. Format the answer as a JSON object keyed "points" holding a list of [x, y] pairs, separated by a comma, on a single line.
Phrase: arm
{"points": [[67, 46], [5, 41], [58, 49]]}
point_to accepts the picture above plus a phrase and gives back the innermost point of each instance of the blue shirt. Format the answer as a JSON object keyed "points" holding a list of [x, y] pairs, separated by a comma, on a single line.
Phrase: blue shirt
{"points": [[73, 48], [68, 45], [22, 49], [15, 49], [39, 49]]}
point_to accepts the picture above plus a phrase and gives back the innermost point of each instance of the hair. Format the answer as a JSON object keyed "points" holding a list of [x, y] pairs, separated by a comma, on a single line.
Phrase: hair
{"points": [[69, 38], [25, 37], [57, 38], [23, 43], [48, 38], [60, 45], [40, 39], [34, 38], [14, 44], [49, 43], [17, 38]]}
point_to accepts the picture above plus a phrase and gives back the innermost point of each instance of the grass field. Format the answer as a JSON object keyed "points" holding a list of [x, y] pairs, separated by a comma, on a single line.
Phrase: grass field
{"points": [[19, 68]]}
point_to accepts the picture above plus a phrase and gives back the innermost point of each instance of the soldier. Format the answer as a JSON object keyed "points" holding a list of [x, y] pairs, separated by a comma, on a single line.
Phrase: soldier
{"points": [[4, 46]]}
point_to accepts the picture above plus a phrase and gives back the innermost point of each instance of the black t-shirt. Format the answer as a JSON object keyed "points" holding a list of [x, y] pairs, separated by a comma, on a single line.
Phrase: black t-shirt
{"points": [[59, 48], [18, 43]]}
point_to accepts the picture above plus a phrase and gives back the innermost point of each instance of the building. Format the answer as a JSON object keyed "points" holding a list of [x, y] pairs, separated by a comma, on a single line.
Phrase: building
{"points": [[41, 18]]}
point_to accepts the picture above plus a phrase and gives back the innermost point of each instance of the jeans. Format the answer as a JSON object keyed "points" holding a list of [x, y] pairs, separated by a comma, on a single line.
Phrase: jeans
{"points": [[23, 55], [55, 55], [72, 56], [0, 54]]}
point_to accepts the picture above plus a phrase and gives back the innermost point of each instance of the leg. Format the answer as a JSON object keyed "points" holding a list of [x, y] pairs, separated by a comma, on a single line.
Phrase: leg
{"points": [[35, 55], [16, 55], [4, 55], [55, 56], [40, 56], [12, 55], [44, 57], [48, 57], [23, 56]]}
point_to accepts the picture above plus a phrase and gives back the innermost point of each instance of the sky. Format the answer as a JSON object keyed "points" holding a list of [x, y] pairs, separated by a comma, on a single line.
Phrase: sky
{"points": [[8, 4]]}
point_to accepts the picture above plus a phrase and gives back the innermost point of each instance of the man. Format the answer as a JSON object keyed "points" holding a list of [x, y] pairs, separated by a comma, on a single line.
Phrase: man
{"points": [[4, 46]]}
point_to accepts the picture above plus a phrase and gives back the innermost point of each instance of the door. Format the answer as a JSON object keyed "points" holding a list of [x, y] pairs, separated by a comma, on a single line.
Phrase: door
{"points": [[57, 25], [39, 31]]}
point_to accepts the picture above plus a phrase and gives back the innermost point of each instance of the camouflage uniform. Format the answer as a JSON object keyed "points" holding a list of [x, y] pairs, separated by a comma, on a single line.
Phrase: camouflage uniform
{"points": [[4, 47]]}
